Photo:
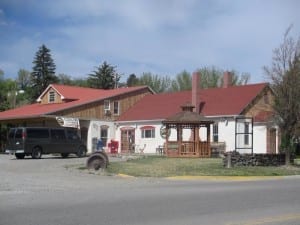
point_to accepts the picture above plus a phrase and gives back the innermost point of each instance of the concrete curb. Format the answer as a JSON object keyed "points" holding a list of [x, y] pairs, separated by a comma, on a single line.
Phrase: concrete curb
{"points": [[214, 178], [125, 175], [226, 178]]}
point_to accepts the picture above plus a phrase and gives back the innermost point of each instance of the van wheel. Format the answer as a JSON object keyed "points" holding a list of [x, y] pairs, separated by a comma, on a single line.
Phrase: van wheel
{"points": [[64, 155], [20, 155], [81, 152], [36, 153]]}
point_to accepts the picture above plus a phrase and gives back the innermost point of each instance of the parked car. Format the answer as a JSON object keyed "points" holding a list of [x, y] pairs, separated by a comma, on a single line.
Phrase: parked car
{"points": [[36, 141]]}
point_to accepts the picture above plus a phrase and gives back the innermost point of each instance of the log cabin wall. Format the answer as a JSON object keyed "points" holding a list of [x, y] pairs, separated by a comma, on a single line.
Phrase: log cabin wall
{"points": [[263, 103], [96, 110]]}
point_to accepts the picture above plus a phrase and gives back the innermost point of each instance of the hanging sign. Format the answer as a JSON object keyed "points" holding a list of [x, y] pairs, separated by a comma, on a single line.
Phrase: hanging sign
{"points": [[163, 132], [68, 122]]}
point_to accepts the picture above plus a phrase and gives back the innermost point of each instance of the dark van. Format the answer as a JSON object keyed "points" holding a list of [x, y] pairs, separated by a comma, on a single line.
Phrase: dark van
{"points": [[36, 141]]}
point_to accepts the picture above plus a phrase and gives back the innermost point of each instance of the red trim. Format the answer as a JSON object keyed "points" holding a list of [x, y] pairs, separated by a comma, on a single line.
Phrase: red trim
{"points": [[127, 128], [147, 127]]}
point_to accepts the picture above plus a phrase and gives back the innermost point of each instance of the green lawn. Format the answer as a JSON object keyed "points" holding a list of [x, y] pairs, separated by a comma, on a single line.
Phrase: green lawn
{"points": [[158, 166]]}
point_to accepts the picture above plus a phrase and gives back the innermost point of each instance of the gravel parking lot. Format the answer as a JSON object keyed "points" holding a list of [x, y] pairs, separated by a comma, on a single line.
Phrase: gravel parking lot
{"points": [[51, 173]]}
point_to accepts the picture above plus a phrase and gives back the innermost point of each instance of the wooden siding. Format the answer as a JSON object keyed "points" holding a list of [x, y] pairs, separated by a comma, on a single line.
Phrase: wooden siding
{"points": [[96, 110], [262, 103], [45, 98]]}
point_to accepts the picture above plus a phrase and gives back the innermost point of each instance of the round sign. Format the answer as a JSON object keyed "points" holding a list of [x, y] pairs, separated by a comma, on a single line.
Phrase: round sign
{"points": [[163, 132]]}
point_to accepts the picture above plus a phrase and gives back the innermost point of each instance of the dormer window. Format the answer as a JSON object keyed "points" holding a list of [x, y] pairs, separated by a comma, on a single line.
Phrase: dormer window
{"points": [[51, 96]]}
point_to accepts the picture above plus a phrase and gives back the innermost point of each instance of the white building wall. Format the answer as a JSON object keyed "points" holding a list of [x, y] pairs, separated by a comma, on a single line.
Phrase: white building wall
{"points": [[259, 139], [226, 134], [148, 144], [94, 133]]}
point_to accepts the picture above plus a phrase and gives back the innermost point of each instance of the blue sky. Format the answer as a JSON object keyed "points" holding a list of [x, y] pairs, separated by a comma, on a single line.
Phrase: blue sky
{"points": [[163, 37]]}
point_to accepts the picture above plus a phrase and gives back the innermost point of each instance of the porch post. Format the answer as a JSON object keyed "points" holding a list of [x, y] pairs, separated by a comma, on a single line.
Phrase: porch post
{"points": [[208, 139], [179, 138], [196, 140], [167, 140]]}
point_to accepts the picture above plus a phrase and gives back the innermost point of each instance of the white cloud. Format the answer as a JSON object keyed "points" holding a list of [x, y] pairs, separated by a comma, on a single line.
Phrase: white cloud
{"points": [[156, 36]]}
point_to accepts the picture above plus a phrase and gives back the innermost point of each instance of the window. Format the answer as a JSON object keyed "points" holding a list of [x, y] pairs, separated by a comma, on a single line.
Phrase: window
{"points": [[116, 107], [37, 133], [58, 134], [104, 134], [11, 133], [246, 131], [106, 105], [148, 132], [51, 96], [19, 133], [72, 134], [215, 132]]}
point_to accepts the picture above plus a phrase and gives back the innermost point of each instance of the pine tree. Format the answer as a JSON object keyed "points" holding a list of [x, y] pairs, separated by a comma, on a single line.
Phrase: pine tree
{"points": [[43, 72], [104, 77]]}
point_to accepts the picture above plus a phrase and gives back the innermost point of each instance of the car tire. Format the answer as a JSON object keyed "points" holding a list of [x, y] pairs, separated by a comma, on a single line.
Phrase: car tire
{"points": [[81, 152], [20, 155], [97, 161], [37, 153], [64, 155]]}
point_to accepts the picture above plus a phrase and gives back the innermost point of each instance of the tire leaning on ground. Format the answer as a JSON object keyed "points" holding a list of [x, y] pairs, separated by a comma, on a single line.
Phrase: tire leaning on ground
{"points": [[97, 160], [36, 153], [20, 155], [81, 152]]}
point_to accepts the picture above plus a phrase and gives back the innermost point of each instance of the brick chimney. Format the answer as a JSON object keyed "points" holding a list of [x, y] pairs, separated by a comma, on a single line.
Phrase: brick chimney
{"points": [[196, 90], [227, 79]]}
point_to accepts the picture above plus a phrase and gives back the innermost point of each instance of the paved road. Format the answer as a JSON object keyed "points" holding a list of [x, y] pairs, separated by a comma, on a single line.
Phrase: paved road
{"points": [[44, 192]]}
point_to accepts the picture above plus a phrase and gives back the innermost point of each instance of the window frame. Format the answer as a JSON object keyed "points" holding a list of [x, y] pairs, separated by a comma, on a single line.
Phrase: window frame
{"points": [[51, 96], [116, 112], [246, 133], [106, 105], [104, 134], [148, 132], [216, 132]]}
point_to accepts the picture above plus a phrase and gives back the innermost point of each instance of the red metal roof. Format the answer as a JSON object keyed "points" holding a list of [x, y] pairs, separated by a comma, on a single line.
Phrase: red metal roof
{"points": [[82, 95], [215, 102]]}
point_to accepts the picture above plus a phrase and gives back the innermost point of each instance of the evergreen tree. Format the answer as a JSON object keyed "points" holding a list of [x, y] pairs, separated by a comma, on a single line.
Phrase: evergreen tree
{"points": [[104, 77], [43, 72], [132, 80]]}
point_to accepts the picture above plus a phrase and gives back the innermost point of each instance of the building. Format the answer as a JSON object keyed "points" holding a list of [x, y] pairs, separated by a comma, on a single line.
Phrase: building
{"points": [[241, 114], [92, 111], [134, 116]]}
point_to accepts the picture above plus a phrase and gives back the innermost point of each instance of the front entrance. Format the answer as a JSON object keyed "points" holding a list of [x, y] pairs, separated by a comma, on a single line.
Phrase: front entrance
{"points": [[272, 141], [127, 140]]}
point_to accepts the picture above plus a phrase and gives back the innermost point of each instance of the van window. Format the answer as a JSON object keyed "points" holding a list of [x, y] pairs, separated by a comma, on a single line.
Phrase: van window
{"points": [[58, 134], [37, 133], [72, 134], [19, 133], [11, 133]]}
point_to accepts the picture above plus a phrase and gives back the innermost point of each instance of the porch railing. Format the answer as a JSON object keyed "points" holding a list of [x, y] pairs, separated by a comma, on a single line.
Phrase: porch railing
{"points": [[188, 149]]}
